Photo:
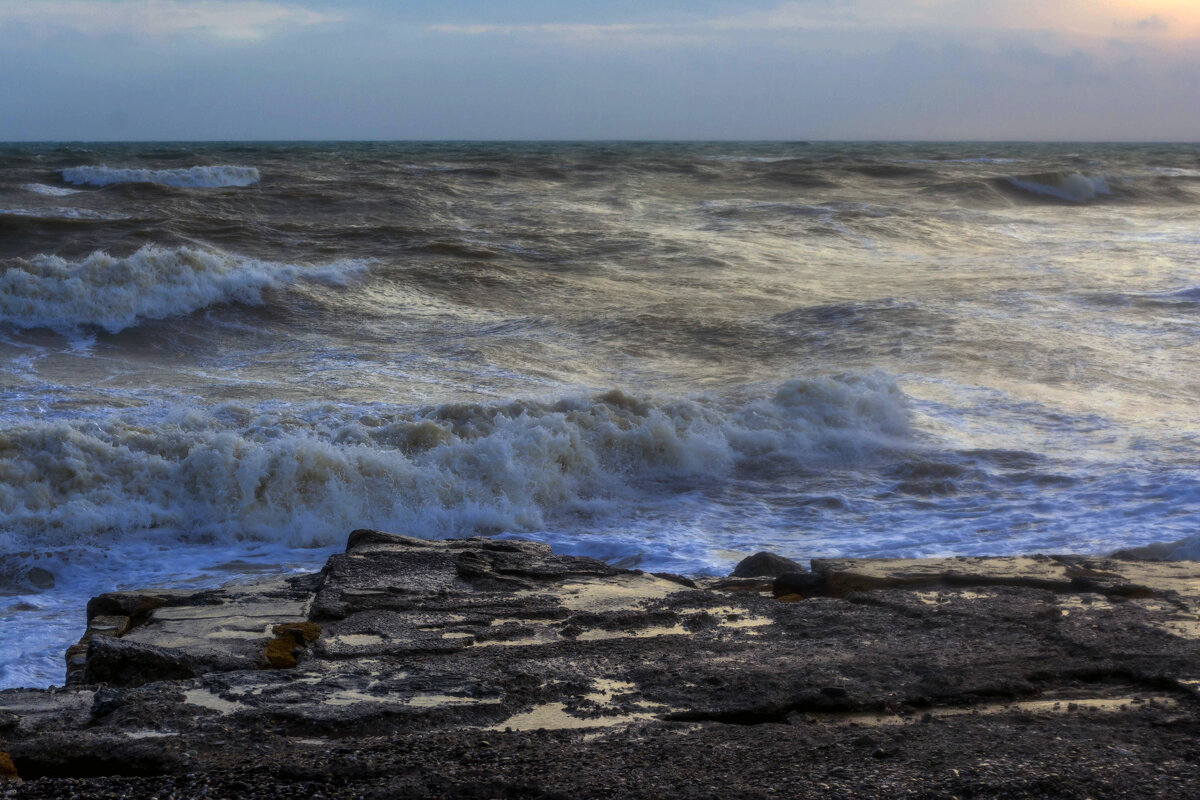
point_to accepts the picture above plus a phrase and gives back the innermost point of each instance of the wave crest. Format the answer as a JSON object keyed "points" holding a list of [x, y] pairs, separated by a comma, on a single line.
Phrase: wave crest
{"points": [[1068, 187], [50, 191], [305, 477], [190, 178], [58, 213], [154, 283]]}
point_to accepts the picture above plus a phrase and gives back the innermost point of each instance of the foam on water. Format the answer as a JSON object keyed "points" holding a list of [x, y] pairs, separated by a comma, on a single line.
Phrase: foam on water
{"points": [[40, 623], [1035, 302], [306, 476], [115, 293], [50, 191], [147, 497], [1186, 549], [58, 212], [192, 177]]}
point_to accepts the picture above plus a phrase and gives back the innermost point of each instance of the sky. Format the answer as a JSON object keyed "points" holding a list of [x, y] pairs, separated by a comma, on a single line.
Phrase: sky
{"points": [[600, 69]]}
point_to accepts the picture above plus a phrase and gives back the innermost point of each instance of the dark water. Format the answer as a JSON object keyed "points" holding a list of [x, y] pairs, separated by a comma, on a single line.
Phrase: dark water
{"points": [[221, 358]]}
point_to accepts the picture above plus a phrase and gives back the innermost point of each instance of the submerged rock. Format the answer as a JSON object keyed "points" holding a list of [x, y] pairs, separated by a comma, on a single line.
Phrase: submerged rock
{"points": [[764, 564]]}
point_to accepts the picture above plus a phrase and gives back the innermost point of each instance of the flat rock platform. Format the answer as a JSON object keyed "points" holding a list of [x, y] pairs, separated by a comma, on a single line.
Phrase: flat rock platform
{"points": [[488, 668]]}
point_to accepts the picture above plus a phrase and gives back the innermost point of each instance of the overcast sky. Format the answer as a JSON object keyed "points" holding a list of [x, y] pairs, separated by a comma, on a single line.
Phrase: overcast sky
{"points": [[600, 69]]}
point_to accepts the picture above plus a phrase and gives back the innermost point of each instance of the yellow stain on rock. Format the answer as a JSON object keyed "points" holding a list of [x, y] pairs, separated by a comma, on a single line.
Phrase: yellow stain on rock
{"points": [[8, 770], [279, 652]]}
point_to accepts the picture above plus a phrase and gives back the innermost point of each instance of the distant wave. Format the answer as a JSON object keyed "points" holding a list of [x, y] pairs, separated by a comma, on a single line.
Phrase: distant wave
{"points": [[50, 191], [117, 293], [191, 178], [1175, 172], [56, 212], [304, 476], [1073, 187]]}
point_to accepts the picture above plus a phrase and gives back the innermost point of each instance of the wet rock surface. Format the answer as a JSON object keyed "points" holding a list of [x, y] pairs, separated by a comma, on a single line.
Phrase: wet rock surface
{"points": [[484, 668]]}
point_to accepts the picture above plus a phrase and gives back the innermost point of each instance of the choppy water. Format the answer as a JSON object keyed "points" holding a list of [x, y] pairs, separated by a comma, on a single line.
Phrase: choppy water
{"points": [[219, 359]]}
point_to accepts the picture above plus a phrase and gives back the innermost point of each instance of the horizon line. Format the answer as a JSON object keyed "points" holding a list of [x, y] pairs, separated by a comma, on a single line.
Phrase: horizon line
{"points": [[600, 141]]}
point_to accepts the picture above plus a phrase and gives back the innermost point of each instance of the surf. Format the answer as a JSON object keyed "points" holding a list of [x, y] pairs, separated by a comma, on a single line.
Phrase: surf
{"points": [[191, 178], [114, 293]]}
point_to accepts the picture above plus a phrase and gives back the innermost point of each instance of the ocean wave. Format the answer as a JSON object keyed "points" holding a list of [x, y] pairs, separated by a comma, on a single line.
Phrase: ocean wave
{"points": [[306, 476], [57, 212], [190, 178], [1175, 172], [50, 191], [1072, 187], [1186, 549], [115, 293]]}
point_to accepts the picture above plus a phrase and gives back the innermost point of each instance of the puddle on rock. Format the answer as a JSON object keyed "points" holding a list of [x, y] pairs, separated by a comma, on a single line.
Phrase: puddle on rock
{"points": [[356, 639], [940, 596], [348, 697], [621, 593], [1061, 706], [731, 616], [522, 641], [604, 689], [638, 633], [554, 716], [206, 699], [435, 700]]}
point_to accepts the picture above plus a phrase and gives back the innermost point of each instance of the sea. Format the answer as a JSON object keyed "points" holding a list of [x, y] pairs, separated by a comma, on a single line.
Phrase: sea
{"points": [[218, 359]]}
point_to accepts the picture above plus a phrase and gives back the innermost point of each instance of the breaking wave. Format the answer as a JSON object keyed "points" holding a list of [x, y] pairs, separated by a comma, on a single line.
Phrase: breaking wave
{"points": [[50, 191], [1073, 187], [115, 293], [1186, 549], [306, 476], [190, 178]]}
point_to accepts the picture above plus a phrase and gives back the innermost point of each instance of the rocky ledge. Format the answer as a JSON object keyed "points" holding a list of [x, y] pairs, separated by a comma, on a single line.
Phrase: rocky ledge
{"points": [[484, 668]]}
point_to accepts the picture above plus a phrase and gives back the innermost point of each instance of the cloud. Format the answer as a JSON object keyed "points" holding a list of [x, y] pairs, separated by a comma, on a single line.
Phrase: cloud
{"points": [[646, 33], [223, 19], [792, 15], [1093, 19], [1152, 23]]}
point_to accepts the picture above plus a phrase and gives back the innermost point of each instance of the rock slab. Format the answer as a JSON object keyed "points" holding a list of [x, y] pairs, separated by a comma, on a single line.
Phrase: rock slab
{"points": [[496, 668]]}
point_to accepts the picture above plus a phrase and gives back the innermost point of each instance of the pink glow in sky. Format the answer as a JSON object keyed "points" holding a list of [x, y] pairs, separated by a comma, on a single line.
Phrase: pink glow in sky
{"points": [[552, 69]]}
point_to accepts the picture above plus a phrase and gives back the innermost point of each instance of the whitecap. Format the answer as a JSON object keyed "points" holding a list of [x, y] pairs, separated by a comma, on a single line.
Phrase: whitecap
{"points": [[116, 293], [192, 177], [50, 191], [57, 212], [304, 476]]}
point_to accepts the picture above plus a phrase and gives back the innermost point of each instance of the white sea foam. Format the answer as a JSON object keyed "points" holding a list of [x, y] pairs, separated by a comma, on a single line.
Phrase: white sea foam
{"points": [[56, 212], [1176, 172], [1072, 188], [154, 283], [305, 477], [50, 191], [192, 177]]}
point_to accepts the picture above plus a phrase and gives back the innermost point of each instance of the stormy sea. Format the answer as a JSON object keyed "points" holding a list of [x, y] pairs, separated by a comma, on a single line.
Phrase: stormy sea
{"points": [[218, 359]]}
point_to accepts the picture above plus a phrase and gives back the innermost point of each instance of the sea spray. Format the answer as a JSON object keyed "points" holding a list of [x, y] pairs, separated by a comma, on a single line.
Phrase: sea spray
{"points": [[50, 191], [306, 476], [115, 293], [190, 178]]}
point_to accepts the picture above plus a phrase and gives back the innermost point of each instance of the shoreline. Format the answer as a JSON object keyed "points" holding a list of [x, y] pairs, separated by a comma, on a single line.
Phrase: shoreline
{"points": [[496, 668]]}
